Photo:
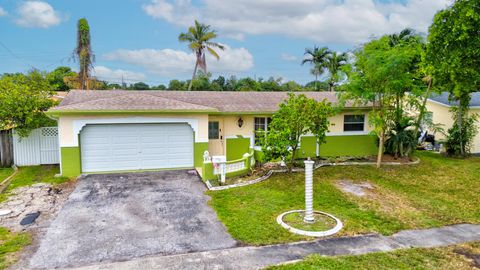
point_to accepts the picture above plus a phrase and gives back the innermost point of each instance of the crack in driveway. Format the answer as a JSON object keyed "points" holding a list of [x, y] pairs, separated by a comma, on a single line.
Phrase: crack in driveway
{"points": [[117, 217]]}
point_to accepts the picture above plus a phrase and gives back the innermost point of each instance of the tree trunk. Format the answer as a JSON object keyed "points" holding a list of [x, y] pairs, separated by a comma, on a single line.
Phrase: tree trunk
{"points": [[380, 148], [422, 108], [460, 125], [193, 76], [316, 82]]}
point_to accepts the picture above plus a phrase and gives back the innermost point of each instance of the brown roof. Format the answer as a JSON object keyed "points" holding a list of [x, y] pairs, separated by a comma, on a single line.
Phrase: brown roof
{"points": [[208, 101]]}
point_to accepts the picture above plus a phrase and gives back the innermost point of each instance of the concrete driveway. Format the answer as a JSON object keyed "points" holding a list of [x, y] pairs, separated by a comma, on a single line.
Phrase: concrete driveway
{"points": [[116, 217]]}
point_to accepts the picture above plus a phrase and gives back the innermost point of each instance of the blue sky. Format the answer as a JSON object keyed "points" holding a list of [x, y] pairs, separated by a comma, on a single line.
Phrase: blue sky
{"points": [[137, 39]]}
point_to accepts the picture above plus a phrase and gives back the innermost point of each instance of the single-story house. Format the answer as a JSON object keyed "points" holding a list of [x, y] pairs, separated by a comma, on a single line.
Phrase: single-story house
{"points": [[117, 130], [439, 107]]}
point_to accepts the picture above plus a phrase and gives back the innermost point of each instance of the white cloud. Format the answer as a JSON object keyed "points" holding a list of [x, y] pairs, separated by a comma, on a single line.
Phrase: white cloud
{"points": [[2, 12], [168, 62], [346, 21], [288, 57], [37, 14], [107, 74]]}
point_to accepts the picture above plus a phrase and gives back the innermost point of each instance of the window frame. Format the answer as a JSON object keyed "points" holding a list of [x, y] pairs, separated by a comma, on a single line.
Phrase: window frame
{"points": [[266, 122], [210, 130], [354, 123]]}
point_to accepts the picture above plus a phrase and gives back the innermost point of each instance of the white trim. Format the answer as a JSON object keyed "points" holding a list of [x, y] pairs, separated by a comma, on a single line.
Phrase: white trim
{"points": [[439, 103], [348, 133], [449, 106], [80, 123]]}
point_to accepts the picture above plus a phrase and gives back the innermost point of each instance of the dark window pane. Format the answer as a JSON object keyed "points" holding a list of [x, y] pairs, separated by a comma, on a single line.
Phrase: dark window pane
{"points": [[354, 118], [213, 130], [353, 127], [353, 122]]}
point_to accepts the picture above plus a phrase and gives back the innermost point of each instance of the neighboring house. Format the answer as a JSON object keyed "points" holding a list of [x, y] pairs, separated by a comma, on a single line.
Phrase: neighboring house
{"points": [[117, 130], [439, 106]]}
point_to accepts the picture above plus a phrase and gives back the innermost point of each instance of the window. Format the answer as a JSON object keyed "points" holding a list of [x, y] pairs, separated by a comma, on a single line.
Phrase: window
{"points": [[213, 131], [261, 123], [353, 122]]}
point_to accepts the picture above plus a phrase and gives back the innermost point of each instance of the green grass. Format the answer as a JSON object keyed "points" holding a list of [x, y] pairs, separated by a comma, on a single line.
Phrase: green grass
{"points": [[321, 222], [4, 173], [34, 174], [438, 191], [441, 259], [10, 243]]}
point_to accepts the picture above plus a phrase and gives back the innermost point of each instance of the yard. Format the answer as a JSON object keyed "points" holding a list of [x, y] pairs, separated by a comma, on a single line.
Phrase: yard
{"points": [[10, 241], [457, 257], [438, 191]]}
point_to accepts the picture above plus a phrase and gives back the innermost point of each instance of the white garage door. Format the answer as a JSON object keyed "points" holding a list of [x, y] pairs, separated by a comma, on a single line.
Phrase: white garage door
{"points": [[120, 147]]}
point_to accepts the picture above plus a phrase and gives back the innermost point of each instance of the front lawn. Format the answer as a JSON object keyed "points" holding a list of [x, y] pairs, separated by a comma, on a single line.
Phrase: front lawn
{"points": [[438, 191], [36, 174], [439, 258], [4, 173], [10, 243]]}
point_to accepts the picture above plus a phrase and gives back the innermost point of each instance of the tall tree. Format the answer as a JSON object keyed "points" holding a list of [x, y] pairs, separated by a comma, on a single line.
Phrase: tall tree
{"points": [[381, 72], [57, 78], [316, 57], [453, 52], [83, 53], [199, 39], [335, 64], [23, 101]]}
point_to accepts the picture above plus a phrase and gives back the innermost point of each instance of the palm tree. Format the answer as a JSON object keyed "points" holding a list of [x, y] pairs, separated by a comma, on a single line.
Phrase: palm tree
{"points": [[334, 64], [316, 57], [83, 53], [405, 35], [198, 38]]}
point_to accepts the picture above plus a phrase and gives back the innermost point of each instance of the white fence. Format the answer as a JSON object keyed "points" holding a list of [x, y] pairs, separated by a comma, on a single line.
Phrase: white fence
{"points": [[40, 147]]}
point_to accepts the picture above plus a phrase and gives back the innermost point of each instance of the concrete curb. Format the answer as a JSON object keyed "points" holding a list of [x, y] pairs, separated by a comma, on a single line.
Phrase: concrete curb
{"points": [[269, 173], [258, 257], [5, 183]]}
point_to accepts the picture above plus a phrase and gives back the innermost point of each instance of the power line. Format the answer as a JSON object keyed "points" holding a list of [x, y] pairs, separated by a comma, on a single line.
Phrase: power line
{"points": [[14, 55]]}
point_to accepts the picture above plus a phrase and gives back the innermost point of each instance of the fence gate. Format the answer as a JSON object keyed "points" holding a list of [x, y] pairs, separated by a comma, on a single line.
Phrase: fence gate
{"points": [[40, 147], [6, 148]]}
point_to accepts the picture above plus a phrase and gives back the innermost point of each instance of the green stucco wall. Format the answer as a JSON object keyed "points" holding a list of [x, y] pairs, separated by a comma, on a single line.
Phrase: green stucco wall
{"points": [[308, 147], [71, 162], [349, 145], [199, 149], [237, 147]]}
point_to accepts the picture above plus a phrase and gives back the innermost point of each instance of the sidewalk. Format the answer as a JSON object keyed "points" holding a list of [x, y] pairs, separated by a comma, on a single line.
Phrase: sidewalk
{"points": [[259, 257]]}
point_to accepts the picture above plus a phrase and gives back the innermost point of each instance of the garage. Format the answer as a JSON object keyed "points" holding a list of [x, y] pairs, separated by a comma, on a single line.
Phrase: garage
{"points": [[121, 147]]}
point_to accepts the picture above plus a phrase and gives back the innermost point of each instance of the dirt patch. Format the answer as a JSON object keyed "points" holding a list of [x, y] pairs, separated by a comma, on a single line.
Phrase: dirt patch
{"points": [[390, 158], [358, 189], [40, 197], [471, 252], [370, 196]]}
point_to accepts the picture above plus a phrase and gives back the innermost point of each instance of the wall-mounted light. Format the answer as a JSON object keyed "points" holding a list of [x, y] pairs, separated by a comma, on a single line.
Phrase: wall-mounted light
{"points": [[240, 122]]}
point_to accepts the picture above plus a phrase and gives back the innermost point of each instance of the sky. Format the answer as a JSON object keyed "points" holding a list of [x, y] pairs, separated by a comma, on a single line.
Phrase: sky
{"points": [[138, 39]]}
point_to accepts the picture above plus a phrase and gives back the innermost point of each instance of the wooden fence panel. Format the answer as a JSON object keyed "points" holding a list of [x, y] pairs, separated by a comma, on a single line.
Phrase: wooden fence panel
{"points": [[6, 148]]}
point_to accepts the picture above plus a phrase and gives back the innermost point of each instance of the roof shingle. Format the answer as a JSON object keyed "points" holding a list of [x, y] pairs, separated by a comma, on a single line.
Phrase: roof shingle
{"points": [[211, 101]]}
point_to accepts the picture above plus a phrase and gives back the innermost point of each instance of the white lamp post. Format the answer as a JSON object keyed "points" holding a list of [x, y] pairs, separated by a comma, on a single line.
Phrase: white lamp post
{"points": [[309, 191]]}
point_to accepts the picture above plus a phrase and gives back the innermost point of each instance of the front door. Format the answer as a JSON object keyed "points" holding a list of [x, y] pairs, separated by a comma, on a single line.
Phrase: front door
{"points": [[216, 140]]}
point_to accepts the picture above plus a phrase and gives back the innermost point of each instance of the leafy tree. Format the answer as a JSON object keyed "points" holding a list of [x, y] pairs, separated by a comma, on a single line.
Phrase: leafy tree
{"points": [[176, 85], [335, 64], [316, 57], [199, 39], [317, 86], [159, 87], [83, 53], [220, 81], [23, 101], [56, 78], [297, 116], [453, 52], [139, 86], [459, 140], [111, 86], [381, 72]]}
